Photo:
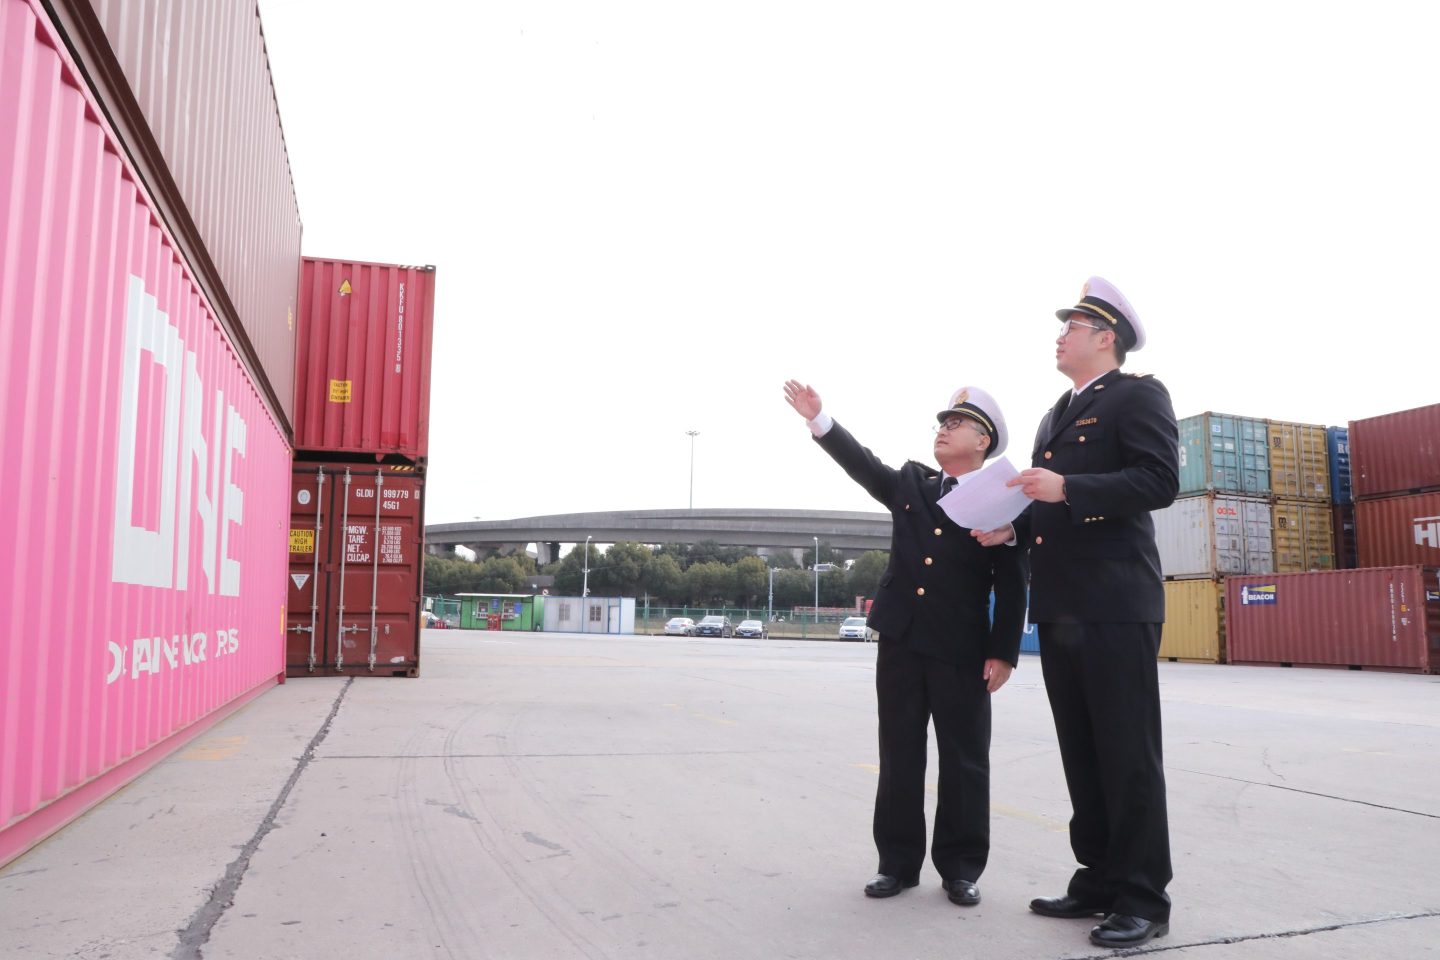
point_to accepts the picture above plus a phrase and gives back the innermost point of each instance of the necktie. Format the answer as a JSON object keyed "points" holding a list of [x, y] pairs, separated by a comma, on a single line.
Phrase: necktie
{"points": [[947, 485], [1062, 413]]}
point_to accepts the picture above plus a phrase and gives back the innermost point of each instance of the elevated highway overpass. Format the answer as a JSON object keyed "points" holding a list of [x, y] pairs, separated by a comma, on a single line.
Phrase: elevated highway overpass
{"points": [[771, 530]]}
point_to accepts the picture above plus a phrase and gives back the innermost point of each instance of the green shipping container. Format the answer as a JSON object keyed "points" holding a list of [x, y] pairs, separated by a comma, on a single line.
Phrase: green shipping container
{"points": [[1224, 454]]}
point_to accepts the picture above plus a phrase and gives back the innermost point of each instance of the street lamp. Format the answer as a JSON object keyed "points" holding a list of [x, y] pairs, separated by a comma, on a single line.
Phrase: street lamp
{"points": [[692, 434], [585, 588], [817, 581]]}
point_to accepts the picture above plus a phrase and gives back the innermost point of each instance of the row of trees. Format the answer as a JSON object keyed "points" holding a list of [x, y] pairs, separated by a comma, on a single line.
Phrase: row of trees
{"points": [[701, 575]]}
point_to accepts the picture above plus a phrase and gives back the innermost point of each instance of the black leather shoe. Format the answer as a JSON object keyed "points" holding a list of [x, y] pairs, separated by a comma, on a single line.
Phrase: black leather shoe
{"points": [[884, 885], [963, 892], [1119, 930], [1067, 907]]}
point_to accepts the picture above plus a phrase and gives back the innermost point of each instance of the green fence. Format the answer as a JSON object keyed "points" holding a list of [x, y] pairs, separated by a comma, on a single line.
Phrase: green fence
{"points": [[788, 624]]}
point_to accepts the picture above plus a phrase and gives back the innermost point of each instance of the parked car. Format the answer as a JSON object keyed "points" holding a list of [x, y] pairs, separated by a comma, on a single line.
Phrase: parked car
{"points": [[751, 628], [715, 626], [853, 629], [679, 627]]}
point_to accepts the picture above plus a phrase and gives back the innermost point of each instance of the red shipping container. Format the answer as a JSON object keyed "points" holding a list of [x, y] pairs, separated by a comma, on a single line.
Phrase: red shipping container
{"points": [[1395, 453], [1343, 527], [363, 358], [188, 86], [1395, 530], [354, 603], [1369, 617], [142, 540]]}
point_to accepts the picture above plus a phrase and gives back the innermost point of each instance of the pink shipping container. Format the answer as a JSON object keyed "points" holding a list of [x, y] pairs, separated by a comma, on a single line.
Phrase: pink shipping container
{"points": [[1395, 453], [1386, 617], [363, 358], [142, 548], [1398, 530], [188, 86]]}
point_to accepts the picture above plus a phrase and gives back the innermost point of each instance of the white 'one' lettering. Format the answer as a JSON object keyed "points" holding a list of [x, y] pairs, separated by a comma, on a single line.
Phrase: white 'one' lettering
{"points": [[195, 470]]}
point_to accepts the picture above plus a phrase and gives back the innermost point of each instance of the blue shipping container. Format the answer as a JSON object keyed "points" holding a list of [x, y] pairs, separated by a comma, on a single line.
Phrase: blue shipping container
{"points": [[1338, 441], [1224, 454]]}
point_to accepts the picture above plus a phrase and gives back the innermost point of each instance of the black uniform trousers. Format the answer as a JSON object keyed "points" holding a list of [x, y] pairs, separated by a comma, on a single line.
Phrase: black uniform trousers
{"points": [[1102, 683], [911, 690]]}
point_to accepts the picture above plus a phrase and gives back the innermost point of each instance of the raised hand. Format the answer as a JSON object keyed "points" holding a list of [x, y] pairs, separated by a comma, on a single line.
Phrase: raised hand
{"points": [[802, 398]]}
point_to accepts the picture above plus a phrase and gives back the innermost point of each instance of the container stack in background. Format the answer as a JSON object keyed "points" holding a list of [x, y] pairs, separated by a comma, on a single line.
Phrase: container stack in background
{"points": [[357, 506], [1219, 525], [1254, 498], [151, 243], [1384, 613]]}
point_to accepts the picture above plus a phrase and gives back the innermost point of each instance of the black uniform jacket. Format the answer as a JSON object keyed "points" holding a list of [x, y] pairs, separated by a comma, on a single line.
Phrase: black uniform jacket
{"points": [[935, 594], [1093, 558]]}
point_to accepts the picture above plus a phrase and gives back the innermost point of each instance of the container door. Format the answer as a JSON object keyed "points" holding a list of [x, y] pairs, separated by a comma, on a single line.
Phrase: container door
{"points": [[305, 633], [376, 572]]}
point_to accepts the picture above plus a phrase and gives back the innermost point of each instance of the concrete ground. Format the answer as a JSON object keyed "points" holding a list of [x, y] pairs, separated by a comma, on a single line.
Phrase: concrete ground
{"points": [[543, 795]]}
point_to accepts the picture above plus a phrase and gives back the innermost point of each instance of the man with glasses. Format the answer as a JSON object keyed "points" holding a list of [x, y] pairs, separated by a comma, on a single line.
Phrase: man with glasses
{"points": [[939, 655], [1105, 456]]}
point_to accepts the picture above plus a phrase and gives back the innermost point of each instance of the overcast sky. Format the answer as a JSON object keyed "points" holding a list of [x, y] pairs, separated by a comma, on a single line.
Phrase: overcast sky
{"points": [[646, 216]]}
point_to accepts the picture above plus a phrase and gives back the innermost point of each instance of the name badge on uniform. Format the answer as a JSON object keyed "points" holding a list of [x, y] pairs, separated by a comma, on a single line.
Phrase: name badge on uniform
{"points": [[1087, 421]]}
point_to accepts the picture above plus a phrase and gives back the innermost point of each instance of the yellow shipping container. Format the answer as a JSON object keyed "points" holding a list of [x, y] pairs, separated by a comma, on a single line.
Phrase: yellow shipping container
{"points": [[1302, 532], [1194, 621], [1299, 460]]}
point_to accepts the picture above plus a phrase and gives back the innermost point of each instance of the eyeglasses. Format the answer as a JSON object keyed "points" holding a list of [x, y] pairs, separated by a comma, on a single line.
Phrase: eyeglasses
{"points": [[1067, 325], [955, 423]]}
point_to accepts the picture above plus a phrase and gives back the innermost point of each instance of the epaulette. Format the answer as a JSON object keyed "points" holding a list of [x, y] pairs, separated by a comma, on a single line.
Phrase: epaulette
{"points": [[1138, 376]]}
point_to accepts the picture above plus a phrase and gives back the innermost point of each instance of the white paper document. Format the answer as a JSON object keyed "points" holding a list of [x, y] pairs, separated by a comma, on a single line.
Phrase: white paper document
{"points": [[981, 501]]}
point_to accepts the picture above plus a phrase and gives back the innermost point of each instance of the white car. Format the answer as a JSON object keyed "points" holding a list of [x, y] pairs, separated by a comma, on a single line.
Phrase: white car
{"points": [[853, 629], [679, 627]]}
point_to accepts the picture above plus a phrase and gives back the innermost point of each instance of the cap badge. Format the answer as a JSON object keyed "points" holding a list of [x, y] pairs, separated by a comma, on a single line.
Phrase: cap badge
{"points": [[962, 397]]}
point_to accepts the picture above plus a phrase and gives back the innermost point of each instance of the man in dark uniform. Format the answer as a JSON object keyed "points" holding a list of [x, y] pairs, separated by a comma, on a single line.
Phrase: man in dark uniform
{"points": [[939, 655], [1104, 457]]}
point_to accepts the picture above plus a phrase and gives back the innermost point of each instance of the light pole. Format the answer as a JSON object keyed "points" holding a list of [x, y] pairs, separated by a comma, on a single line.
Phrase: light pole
{"points": [[692, 434], [770, 603], [817, 582], [585, 588]]}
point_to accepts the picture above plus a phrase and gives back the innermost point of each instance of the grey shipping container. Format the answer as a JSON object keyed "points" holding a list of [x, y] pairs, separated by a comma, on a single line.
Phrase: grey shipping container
{"points": [[1214, 535]]}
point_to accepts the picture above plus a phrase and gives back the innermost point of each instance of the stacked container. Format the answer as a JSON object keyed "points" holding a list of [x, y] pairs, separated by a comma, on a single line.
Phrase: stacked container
{"points": [[146, 446], [1301, 518], [1395, 477], [357, 518]]}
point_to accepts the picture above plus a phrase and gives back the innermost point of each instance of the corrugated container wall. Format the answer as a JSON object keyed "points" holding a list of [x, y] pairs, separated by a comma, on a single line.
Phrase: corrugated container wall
{"points": [[1337, 442], [142, 544], [1303, 534], [1299, 460], [1224, 454], [1347, 547], [1213, 535], [1385, 617], [189, 85], [357, 555], [1194, 621], [1399, 530], [1395, 453], [363, 358]]}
